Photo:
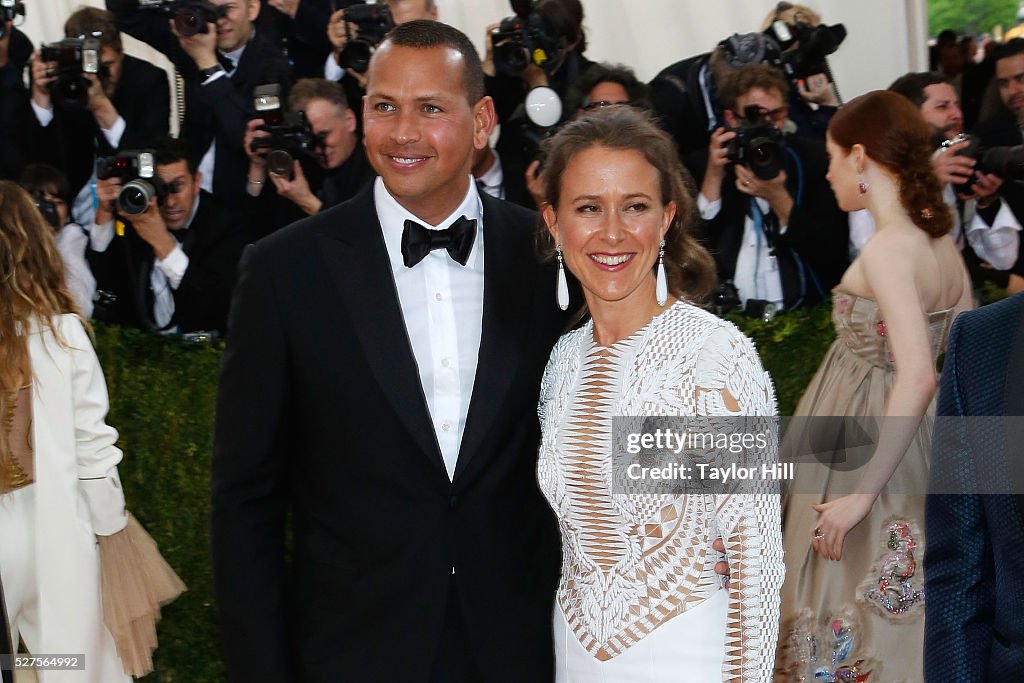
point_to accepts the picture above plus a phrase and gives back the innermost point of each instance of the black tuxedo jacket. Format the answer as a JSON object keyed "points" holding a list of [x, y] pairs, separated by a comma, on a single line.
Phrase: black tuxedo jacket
{"points": [[73, 139], [974, 559], [219, 110], [213, 243], [321, 412], [818, 234]]}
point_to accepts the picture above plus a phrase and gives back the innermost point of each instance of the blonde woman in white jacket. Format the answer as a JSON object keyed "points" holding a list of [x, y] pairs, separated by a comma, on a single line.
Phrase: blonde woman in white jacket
{"points": [[80, 576]]}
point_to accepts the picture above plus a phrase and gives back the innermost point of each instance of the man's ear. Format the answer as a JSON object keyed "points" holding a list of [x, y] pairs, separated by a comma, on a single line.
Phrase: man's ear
{"points": [[254, 9], [484, 120], [350, 120]]}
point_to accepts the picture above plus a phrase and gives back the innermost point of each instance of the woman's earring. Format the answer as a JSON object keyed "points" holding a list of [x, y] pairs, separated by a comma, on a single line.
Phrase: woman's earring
{"points": [[562, 287], [862, 185], [661, 288]]}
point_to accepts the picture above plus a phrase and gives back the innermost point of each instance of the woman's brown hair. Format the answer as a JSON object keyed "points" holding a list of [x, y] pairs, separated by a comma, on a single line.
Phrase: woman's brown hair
{"points": [[689, 268], [32, 286], [895, 135]]}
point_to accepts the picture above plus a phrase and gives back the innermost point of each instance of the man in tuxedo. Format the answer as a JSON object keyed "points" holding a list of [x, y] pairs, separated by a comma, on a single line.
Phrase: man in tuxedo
{"points": [[174, 267], [127, 106], [974, 561], [220, 66], [379, 386]]}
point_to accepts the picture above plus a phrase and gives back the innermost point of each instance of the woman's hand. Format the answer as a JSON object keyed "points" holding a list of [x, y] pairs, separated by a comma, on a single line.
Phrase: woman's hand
{"points": [[836, 519]]}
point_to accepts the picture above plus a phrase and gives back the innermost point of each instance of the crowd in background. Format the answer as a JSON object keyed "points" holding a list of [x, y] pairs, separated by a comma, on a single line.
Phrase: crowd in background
{"points": [[151, 227]]}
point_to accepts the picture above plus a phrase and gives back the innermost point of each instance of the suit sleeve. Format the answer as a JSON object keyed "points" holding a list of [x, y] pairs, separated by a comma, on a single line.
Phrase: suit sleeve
{"points": [[204, 292], [95, 451], [959, 565], [249, 489], [147, 122]]}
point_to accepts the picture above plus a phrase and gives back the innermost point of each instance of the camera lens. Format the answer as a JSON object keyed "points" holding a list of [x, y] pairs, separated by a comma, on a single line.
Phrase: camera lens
{"points": [[765, 158], [356, 55], [134, 197], [511, 59], [188, 23], [279, 162]]}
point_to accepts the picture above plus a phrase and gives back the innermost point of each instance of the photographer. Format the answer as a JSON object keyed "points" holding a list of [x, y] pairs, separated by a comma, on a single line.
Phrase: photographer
{"points": [[685, 94], [15, 52], [125, 105], [768, 214], [338, 153], [221, 64], [984, 227], [172, 268], [296, 27]]}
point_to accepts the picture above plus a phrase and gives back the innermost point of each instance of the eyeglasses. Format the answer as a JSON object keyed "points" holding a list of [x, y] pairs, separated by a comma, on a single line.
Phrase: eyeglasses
{"points": [[778, 115], [601, 104]]}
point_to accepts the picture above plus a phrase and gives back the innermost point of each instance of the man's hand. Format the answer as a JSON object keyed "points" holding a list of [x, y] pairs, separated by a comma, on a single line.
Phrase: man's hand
{"points": [[151, 227], [297, 190], [818, 90], [952, 168], [718, 160], [488, 62], [285, 7], [44, 74], [252, 132], [774, 191], [984, 189], [98, 104], [336, 31], [106, 194], [202, 47]]}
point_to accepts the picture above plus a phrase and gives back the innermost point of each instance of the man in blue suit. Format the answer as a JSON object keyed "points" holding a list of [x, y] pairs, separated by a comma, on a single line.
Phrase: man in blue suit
{"points": [[974, 563]]}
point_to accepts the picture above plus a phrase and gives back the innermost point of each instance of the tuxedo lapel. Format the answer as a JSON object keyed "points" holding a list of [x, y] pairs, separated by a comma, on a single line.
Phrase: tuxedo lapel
{"points": [[509, 279], [355, 256], [1013, 393]]}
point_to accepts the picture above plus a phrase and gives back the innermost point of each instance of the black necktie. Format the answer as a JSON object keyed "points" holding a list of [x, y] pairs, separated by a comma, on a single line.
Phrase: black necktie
{"points": [[457, 239], [225, 61]]}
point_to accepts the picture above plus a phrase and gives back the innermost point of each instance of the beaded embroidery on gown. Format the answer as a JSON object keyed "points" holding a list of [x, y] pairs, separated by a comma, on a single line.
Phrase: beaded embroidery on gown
{"points": [[861, 617], [638, 598]]}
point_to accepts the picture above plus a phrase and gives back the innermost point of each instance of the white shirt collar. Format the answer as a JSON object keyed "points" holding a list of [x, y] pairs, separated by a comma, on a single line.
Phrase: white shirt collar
{"points": [[236, 55]]}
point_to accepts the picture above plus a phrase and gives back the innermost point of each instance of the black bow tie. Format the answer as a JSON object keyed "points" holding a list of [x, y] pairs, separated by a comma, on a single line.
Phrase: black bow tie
{"points": [[418, 241], [225, 62]]}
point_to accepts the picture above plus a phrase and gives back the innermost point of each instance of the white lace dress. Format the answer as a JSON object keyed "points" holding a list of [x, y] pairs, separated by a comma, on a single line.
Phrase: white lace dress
{"points": [[639, 599]]}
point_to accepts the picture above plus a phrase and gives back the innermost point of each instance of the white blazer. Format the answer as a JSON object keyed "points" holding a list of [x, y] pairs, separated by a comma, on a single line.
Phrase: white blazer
{"points": [[78, 495]]}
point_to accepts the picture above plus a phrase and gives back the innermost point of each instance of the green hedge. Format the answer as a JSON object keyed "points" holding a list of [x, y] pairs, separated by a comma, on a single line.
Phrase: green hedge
{"points": [[162, 402]]}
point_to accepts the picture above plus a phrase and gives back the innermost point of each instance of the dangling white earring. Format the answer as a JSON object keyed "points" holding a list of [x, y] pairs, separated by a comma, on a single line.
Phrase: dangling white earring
{"points": [[661, 288], [562, 287]]}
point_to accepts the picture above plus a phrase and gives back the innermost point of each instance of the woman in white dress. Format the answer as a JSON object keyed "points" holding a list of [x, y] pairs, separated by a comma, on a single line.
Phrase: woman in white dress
{"points": [[79, 574], [639, 599]]}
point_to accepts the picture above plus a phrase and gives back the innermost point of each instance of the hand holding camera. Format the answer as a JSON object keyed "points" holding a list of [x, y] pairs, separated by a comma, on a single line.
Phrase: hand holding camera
{"points": [[44, 75], [200, 46], [718, 161], [817, 89]]}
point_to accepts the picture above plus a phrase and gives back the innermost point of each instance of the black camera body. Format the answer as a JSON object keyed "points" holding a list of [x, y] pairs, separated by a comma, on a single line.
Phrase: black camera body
{"points": [[9, 9], [190, 16], [524, 39], [758, 145], [291, 136], [1006, 162], [813, 45], [139, 182], [74, 57], [374, 22], [48, 209]]}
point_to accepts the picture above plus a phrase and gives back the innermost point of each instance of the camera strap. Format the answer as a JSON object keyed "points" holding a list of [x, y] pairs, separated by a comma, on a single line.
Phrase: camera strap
{"points": [[766, 224]]}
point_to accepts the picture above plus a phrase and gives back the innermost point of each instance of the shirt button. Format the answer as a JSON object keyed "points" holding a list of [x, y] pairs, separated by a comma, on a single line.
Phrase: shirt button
{"points": [[445, 362], [445, 426], [439, 296]]}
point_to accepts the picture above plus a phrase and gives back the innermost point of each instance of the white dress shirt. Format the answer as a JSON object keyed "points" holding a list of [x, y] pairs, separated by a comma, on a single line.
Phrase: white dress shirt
{"points": [[757, 273], [442, 304]]}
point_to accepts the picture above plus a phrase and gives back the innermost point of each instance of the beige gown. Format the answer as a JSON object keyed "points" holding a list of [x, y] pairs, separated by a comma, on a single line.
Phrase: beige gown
{"points": [[865, 612]]}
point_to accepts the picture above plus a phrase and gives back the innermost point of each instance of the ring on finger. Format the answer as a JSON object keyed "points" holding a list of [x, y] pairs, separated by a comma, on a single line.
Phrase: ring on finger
{"points": [[819, 535]]}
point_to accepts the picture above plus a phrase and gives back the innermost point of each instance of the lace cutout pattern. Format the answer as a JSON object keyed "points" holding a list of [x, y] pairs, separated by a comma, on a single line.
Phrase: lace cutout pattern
{"points": [[633, 562]]}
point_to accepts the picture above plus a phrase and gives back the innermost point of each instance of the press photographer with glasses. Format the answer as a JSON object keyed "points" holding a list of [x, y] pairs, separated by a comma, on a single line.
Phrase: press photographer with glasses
{"points": [[171, 267]]}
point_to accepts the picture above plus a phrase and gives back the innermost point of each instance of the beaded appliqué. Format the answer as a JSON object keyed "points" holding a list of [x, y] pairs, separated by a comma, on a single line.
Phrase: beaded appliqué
{"points": [[807, 652], [894, 590]]}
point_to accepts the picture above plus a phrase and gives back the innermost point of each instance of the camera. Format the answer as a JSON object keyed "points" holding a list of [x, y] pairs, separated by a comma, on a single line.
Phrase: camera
{"points": [[813, 45], [74, 57], [48, 209], [758, 145], [140, 184], [291, 136], [1005, 162], [190, 16], [524, 39], [374, 22], [9, 9]]}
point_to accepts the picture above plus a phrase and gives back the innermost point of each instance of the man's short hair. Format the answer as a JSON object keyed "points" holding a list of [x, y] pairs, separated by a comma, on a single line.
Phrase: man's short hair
{"points": [[743, 79], [40, 177], [306, 90], [912, 85], [172, 150], [1010, 48], [428, 5], [422, 34], [88, 22]]}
